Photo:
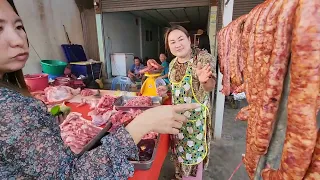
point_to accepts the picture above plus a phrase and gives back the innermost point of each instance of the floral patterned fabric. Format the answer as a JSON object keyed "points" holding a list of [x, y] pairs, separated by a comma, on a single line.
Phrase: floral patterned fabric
{"points": [[176, 73], [31, 146], [190, 143]]}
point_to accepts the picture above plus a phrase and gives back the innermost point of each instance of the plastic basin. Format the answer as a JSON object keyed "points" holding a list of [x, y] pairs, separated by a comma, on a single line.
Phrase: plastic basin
{"points": [[53, 67], [36, 82]]}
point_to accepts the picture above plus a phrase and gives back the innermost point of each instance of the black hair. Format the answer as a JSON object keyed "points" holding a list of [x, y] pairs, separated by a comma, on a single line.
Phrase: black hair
{"points": [[13, 6], [136, 57]]}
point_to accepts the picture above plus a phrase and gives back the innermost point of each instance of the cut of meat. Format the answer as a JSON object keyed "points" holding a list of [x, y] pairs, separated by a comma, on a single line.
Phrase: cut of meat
{"points": [[87, 92], [248, 25], [106, 102], [151, 135], [101, 116], [139, 101], [260, 68], [226, 74], [76, 132], [123, 118], [59, 94], [251, 159], [40, 95], [152, 66], [270, 85], [153, 63], [235, 73], [301, 133], [243, 114], [313, 172]]}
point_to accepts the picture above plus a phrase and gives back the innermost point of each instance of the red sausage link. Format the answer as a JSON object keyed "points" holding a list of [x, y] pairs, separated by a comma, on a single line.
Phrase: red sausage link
{"points": [[301, 134]]}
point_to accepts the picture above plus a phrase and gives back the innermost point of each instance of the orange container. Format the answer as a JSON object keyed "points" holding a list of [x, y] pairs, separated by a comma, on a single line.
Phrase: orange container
{"points": [[36, 82]]}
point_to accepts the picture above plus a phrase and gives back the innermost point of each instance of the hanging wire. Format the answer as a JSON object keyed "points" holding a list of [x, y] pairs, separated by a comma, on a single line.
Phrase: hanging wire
{"points": [[35, 51]]}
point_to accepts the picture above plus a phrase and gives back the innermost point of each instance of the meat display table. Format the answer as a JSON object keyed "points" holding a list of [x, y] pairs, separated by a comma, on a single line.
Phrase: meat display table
{"points": [[163, 146]]}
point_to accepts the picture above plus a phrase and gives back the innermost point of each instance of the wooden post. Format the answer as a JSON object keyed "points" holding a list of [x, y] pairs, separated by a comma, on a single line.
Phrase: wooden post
{"points": [[227, 18], [212, 29], [106, 72]]}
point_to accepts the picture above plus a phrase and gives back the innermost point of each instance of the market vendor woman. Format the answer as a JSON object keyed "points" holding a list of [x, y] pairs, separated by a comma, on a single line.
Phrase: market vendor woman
{"points": [[192, 76], [31, 146]]}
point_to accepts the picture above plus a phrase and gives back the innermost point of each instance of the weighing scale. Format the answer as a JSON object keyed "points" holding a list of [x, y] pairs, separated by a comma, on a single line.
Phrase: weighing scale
{"points": [[149, 87]]}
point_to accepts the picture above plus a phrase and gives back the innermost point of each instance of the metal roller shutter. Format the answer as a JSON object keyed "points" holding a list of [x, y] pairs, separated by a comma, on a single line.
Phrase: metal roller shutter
{"points": [[132, 5], [241, 7]]}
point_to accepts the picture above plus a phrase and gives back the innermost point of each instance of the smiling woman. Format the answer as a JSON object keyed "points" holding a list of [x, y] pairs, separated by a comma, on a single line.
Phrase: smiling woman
{"points": [[192, 76]]}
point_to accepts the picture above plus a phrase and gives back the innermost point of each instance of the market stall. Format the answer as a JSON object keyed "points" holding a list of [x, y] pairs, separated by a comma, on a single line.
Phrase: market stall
{"points": [[154, 172], [92, 114], [272, 54]]}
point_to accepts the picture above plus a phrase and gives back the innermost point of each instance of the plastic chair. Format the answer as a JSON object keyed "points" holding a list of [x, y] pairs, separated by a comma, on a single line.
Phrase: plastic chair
{"points": [[124, 83], [160, 82]]}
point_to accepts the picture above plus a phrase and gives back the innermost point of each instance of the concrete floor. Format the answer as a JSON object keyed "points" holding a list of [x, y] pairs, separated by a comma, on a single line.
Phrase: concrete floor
{"points": [[225, 153]]}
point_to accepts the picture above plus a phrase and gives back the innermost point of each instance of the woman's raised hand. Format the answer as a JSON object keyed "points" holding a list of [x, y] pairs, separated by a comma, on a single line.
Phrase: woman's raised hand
{"points": [[203, 73]]}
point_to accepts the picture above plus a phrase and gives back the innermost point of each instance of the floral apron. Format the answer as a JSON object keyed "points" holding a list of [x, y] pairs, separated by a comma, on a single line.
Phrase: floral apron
{"points": [[190, 144]]}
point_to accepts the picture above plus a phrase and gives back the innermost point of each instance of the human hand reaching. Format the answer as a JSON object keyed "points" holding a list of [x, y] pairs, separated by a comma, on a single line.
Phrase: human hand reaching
{"points": [[161, 119], [204, 73]]}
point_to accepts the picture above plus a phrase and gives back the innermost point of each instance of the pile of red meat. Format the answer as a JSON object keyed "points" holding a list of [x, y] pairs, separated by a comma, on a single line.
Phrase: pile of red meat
{"points": [[254, 52], [124, 118], [152, 66], [140, 101], [87, 92], [76, 132], [103, 110]]}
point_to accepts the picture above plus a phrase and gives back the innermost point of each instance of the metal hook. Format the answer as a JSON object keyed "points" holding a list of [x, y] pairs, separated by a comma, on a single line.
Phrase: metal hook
{"points": [[227, 2]]}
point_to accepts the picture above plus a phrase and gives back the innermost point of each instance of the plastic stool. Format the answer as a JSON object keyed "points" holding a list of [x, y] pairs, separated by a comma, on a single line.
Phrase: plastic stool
{"points": [[124, 83]]}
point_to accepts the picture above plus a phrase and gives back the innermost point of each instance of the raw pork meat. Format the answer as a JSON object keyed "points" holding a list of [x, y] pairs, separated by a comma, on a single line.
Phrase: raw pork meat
{"points": [[123, 118], [40, 95], [76, 132], [106, 102], [151, 135], [152, 67], [59, 94], [139, 101], [87, 92], [101, 116]]}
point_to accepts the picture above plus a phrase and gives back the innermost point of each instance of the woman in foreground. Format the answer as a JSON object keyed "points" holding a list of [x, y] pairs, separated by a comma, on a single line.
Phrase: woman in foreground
{"points": [[30, 143], [192, 76]]}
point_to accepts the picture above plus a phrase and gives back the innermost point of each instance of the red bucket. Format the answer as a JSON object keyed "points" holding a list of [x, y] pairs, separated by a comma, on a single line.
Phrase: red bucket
{"points": [[36, 82]]}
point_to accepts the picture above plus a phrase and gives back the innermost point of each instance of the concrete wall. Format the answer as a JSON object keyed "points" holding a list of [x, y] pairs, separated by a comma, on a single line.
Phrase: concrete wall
{"points": [[44, 20], [150, 48], [121, 33]]}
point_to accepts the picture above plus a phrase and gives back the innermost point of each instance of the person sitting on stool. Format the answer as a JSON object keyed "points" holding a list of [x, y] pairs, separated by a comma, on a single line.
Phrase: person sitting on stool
{"points": [[134, 73]]}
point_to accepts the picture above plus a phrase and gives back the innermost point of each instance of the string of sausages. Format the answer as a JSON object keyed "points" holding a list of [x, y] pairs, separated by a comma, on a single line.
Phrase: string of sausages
{"points": [[255, 53]]}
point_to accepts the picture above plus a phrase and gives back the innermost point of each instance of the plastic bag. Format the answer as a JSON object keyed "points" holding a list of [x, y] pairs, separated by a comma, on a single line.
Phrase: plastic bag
{"points": [[239, 96]]}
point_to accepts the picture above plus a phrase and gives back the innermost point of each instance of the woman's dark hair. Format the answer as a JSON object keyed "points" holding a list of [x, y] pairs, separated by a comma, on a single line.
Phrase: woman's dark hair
{"points": [[13, 6], [169, 30], [15, 80]]}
